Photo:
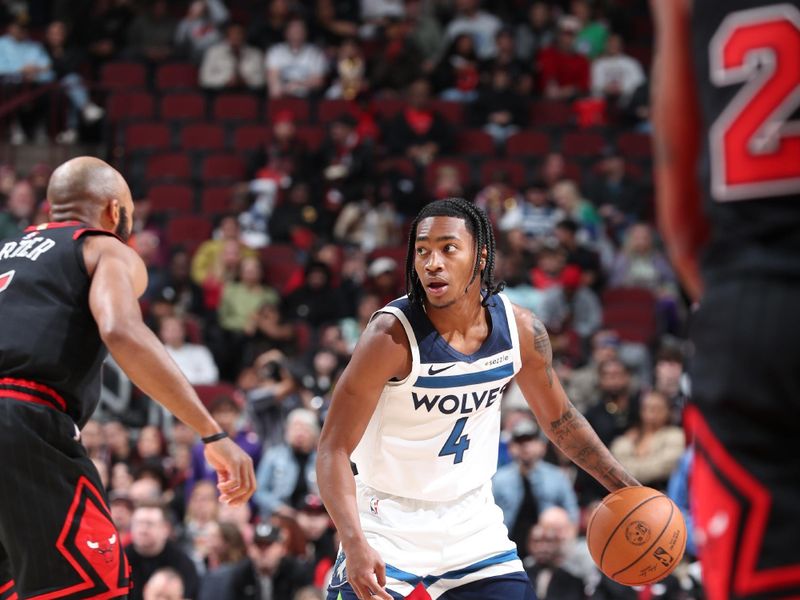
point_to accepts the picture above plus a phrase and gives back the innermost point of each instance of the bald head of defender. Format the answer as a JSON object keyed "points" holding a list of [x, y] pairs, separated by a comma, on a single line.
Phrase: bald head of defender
{"points": [[91, 191]]}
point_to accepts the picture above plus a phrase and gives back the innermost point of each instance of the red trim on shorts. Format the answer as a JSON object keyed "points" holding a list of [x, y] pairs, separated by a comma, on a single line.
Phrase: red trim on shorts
{"points": [[6, 586], [52, 225], [747, 579], [53, 396], [13, 596]]}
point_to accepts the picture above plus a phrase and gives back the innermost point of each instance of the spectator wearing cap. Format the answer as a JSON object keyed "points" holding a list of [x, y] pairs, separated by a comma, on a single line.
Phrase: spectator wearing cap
{"points": [[287, 471], [563, 72], [151, 549], [528, 485], [267, 572], [382, 279], [231, 64], [571, 308], [295, 67]]}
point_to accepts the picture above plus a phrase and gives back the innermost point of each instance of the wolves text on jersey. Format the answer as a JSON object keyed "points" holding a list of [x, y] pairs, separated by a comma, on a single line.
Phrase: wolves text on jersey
{"points": [[463, 403]]}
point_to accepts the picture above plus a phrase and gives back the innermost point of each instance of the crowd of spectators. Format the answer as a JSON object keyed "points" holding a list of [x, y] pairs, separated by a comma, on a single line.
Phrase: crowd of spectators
{"points": [[263, 315]]}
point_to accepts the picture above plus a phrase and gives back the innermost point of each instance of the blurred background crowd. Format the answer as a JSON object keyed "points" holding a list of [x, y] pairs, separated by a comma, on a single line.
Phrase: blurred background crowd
{"points": [[277, 152]]}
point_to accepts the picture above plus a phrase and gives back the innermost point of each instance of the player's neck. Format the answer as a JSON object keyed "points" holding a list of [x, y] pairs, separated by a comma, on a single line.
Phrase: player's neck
{"points": [[459, 317]]}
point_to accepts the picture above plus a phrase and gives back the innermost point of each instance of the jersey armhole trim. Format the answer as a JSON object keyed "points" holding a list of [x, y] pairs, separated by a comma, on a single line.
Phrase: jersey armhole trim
{"points": [[412, 343], [512, 329]]}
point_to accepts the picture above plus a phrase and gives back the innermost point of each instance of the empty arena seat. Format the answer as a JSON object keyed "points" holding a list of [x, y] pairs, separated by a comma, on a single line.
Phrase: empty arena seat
{"points": [[550, 113], [528, 143], [216, 200], [508, 171], [188, 228], [202, 136], [475, 142], [130, 105], [168, 167], [177, 75], [223, 167], [451, 111], [183, 106], [328, 110], [251, 137], [236, 107], [121, 75], [579, 144], [298, 107], [147, 136], [635, 145], [171, 198]]}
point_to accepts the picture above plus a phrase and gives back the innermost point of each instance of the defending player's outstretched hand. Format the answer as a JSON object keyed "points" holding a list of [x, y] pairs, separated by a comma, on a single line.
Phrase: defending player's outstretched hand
{"points": [[236, 477]]}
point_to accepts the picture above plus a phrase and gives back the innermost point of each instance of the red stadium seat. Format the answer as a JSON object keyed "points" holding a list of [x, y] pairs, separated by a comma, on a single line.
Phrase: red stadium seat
{"points": [[236, 107], [312, 136], [168, 167], [578, 144], [216, 200], [452, 111], [186, 106], [398, 164], [508, 171], [301, 112], [549, 113], [175, 76], [631, 312], [171, 198], [328, 110], [147, 136], [130, 105], [528, 143], [209, 393], [223, 167], [251, 137], [635, 145], [202, 136], [475, 142], [123, 75], [188, 228]]}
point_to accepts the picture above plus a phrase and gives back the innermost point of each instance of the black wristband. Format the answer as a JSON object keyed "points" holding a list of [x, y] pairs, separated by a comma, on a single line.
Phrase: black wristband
{"points": [[214, 438]]}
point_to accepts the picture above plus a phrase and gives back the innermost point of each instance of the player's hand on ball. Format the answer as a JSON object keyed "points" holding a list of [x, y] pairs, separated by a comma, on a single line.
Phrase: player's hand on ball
{"points": [[235, 474], [366, 572]]}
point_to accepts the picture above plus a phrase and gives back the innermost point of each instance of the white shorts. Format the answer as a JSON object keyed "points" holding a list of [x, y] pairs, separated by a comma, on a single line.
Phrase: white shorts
{"points": [[440, 544]]}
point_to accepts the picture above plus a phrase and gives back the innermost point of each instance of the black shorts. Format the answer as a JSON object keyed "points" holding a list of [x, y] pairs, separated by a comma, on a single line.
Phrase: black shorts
{"points": [[745, 419], [57, 539]]}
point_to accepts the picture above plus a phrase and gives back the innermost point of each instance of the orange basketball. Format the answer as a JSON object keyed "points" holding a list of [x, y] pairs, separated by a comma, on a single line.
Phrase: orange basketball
{"points": [[636, 536]]}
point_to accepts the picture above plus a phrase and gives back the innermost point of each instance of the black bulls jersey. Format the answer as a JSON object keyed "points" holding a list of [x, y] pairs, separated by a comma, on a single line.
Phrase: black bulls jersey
{"points": [[48, 336], [747, 68]]}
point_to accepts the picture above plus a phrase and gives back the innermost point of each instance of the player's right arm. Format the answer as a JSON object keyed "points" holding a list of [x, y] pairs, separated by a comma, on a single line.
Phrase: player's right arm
{"points": [[119, 277], [677, 127], [382, 354]]}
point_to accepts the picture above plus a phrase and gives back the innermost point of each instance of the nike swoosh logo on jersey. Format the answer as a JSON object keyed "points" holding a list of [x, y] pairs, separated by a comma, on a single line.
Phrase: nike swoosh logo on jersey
{"points": [[432, 371]]}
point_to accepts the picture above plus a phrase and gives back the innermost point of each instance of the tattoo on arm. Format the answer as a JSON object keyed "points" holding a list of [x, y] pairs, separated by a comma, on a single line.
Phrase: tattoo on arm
{"points": [[572, 433], [541, 342]]}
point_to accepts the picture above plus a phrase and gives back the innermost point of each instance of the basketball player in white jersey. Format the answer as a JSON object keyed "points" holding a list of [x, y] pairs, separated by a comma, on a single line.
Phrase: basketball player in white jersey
{"points": [[418, 411]]}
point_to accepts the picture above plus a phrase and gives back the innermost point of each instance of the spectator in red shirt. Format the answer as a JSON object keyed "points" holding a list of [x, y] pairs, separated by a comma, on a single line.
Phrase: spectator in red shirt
{"points": [[563, 72]]}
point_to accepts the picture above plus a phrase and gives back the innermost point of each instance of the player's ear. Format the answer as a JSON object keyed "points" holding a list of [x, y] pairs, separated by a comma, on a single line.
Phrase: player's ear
{"points": [[483, 258]]}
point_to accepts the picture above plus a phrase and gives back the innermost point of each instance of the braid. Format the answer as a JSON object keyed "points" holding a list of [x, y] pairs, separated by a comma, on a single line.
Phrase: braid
{"points": [[481, 229]]}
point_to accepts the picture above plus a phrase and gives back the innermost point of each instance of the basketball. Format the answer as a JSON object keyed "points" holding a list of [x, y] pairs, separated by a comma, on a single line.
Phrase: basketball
{"points": [[636, 536]]}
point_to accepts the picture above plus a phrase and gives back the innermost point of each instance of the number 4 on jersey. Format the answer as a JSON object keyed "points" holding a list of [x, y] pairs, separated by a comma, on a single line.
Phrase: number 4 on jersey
{"points": [[456, 444]]}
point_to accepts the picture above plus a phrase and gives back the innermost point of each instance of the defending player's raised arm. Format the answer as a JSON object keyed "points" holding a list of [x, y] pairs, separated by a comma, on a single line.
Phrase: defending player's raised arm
{"points": [[382, 353], [676, 121], [564, 425], [118, 278]]}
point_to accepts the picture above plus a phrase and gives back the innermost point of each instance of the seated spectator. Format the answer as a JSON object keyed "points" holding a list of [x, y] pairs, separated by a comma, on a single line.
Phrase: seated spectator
{"points": [[576, 557], [151, 550], [24, 63], [164, 584], [121, 508], [286, 471], [268, 331], [267, 28], [507, 60], [320, 534], [93, 440], [481, 25], [349, 77], [272, 393], [368, 223], [580, 254], [231, 64], [581, 386], [615, 75], [242, 298], [669, 379], [19, 209], [194, 360], [299, 217], [620, 199], [535, 215], [382, 279], [535, 33], [650, 450], [267, 572], [176, 286], [67, 60], [500, 109], [563, 71], [316, 301], [525, 487], [118, 441], [553, 169], [352, 328], [457, 77], [200, 519], [199, 29], [225, 544], [344, 161], [105, 33], [418, 132], [401, 59], [550, 263], [593, 32], [425, 31], [152, 33], [150, 449], [282, 157], [227, 412], [206, 259], [573, 205], [336, 21], [550, 579], [295, 67]]}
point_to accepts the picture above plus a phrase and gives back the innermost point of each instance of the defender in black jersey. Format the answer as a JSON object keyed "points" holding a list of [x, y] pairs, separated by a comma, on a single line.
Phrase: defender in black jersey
{"points": [[68, 290], [726, 98]]}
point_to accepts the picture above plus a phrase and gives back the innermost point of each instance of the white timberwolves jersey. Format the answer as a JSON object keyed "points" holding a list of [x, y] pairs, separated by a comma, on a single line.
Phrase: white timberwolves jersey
{"points": [[434, 435]]}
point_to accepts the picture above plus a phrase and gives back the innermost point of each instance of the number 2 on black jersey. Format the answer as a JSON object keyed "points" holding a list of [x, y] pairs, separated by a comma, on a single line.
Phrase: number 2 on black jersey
{"points": [[755, 149]]}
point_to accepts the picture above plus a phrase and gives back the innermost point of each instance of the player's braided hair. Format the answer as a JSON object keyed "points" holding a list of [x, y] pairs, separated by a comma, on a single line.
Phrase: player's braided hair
{"points": [[481, 229]]}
